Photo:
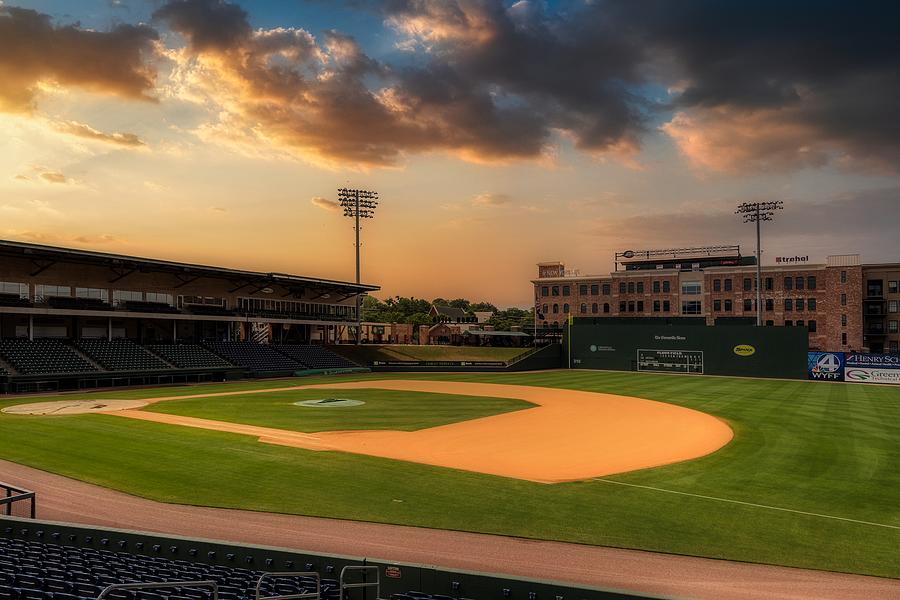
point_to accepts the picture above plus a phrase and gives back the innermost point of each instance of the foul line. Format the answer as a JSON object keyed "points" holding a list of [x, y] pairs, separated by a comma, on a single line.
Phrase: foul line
{"points": [[790, 510]]}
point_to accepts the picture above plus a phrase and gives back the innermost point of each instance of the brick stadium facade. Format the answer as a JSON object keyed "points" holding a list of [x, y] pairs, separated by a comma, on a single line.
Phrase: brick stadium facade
{"points": [[844, 304]]}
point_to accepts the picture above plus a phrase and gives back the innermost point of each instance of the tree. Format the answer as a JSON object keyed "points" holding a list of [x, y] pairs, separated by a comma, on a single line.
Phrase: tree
{"points": [[482, 307]]}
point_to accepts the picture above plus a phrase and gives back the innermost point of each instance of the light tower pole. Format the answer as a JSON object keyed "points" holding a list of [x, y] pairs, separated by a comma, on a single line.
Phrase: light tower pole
{"points": [[358, 204], [755, 212]]}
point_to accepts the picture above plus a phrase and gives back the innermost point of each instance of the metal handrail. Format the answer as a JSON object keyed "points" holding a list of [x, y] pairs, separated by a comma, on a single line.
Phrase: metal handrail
{"points": [[366, 584], [317, 594], [15, 494], [161, 584]]}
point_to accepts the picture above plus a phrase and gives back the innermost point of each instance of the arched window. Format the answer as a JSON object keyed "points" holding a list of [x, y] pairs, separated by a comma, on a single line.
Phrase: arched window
{"points": [[555, 324], [606, 308], [546, 324], [556, 309], [583, 308], [566, 308], [594, 308]]}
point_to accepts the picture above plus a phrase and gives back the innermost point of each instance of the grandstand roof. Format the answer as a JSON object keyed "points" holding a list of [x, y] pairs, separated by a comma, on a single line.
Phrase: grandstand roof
{"points": [[55, 254]]}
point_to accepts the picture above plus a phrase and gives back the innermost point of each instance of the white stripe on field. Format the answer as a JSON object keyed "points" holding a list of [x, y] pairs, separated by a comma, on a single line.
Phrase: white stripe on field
{"points": [[790, 510]]}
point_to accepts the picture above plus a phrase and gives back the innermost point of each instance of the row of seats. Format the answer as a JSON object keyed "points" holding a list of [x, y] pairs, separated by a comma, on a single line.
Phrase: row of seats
{"points": [[189, 356], [43, 357], [120, 355], [256, 357], [32, 570], [315, 357]]}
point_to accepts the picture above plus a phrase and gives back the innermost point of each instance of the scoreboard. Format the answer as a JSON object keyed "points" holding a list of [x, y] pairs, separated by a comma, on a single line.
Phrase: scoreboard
{"points": [[670, 361]]}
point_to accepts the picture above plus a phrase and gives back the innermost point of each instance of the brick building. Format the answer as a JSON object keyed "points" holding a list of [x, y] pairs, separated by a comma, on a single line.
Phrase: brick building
{"points": [[844, 304]]}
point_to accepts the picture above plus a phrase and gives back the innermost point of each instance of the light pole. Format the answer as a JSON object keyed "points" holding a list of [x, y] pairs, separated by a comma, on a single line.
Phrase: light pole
{"points": [[755, 212], [358, 204]]}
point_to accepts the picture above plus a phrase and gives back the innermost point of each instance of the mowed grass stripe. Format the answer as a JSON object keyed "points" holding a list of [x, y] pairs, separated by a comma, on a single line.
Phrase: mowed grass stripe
{"points": [[819, 448]]}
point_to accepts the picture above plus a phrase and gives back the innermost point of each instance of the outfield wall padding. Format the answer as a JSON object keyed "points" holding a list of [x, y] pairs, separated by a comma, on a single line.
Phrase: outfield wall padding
{"points": [[740, 350]]}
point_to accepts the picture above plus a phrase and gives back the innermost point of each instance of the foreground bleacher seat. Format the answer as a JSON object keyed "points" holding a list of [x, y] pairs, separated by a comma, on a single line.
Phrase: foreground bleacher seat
{"points": [[315, 357], [43, 357], [121, 355], [189, 356], [256, 357]]}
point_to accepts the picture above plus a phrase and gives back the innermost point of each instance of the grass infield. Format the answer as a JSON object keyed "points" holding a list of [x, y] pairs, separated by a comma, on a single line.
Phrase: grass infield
{"points": [[829, 449]]}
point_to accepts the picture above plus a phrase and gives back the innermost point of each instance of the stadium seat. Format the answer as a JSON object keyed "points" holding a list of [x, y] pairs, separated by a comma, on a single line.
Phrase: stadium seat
{"points": [[121, 355], [43, 357], [315, 357], [256, 357], [189, 356]]}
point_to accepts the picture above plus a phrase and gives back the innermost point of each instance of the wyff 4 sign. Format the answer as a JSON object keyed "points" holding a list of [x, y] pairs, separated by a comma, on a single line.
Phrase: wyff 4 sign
{"points": [[826, 366]]}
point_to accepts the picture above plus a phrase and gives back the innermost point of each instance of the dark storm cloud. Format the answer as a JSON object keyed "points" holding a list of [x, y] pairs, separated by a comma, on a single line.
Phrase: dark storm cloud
{"points": [[207, 24], [33, 50]]}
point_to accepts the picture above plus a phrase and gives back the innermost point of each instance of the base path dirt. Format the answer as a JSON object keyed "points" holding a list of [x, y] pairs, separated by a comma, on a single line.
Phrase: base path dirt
{"points": [[64, 499], [569, 435], [72, 407]]}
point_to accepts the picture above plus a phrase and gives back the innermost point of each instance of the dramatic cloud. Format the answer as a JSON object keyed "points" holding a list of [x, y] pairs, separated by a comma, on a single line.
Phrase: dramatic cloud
{"points": [[34, 52], [325, 203], [86, 131]]}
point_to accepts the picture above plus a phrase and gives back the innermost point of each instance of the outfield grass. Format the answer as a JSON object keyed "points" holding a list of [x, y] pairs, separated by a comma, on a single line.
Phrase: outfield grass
{"points": [[830, 449], [383, 409], [365, 354]]}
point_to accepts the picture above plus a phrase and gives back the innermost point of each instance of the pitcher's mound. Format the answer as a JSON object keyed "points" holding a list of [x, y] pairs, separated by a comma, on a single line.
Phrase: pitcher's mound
{"points": [[73, 407]]}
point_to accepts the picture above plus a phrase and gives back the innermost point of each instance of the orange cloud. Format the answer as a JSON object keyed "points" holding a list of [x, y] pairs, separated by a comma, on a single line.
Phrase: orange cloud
{"points": [[33, 51], [86, 131], [325, 203]]}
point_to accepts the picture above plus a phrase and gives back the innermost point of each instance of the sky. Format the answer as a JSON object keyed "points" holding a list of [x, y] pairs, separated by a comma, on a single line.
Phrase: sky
{"points": [[498, 134]]}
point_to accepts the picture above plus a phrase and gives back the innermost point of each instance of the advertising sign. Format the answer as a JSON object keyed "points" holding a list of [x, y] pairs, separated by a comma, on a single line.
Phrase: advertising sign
{"points": [[826, 366], [872, 368]]}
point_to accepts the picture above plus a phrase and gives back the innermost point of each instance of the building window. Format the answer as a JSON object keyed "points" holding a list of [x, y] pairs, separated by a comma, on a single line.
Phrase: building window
{"points": [[892, 327], [812, 326], [544, 309], [799, 284], [844, 277], [788, 323], [811, 282], [556, 309], [811, 304], [640, 287], [667, 287], [594, 290], [691, 307], [770, 283], [631, 306], [582, 289], [656, 286], [717, 285], [656, 305], [727, 305], [788, 304], [717, 305], [727, 284], [555, 290], [606, 308], [94, 293], [583, 308], [748, 305], [566, 290], [843, 320], [770, 304], [545, 291], [892, 345], [19, 289], [49, 291], [691, 288], [843, 339], [621, 287], [667, 307], [594, 308], [892, 306], [630, 287], [800, 323], [843, 299], [748, 284], [566, 308], [770, 323], [555, 324], [788, 283], [893, 287], [799, 304], [160, 297], [607, 289], [640, 306], [622, 306]]}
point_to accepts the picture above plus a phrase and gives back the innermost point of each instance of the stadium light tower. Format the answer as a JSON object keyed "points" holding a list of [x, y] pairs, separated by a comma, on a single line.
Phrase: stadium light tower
{"points": [[358, 204], [756, 212]]}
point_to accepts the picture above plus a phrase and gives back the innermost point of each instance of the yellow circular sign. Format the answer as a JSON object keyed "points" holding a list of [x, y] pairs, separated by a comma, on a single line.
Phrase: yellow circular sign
{"points": [[744, 350]]}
